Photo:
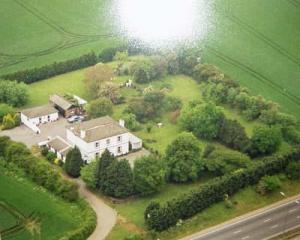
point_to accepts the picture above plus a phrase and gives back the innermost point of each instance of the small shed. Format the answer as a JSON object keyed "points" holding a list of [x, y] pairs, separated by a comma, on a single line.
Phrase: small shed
{"points": [[65, 107]]}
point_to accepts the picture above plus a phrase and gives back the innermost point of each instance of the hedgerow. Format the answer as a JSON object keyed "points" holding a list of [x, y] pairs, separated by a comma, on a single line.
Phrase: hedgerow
{"points": [[160, 218]]}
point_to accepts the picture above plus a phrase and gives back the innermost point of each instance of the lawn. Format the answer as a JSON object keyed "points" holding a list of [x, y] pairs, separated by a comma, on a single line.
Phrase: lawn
{"points": [[54, 217]]}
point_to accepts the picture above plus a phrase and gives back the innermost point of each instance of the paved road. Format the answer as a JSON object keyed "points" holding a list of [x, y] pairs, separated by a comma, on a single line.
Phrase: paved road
{"points": [[106, 216], [260, 226]]}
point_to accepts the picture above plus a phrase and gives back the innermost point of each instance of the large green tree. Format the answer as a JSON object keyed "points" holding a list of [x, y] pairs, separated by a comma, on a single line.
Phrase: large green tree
{"points": [[149, 175], [73, 162], [100, 107], [204, 120], [13, 93], [183, 158]]}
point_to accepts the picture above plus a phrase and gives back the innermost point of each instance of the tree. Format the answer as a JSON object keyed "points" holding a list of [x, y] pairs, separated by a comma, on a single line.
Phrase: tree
{"points": [[149, 175], [130, 122], [265, 140], [5, 109], [233, 135], [293, 170], [101, 169], [121, 56], [142, 71], [204, 120], [13, 93], [95, 77], [73, 162], [8, 122], [119, 182], [111, 91], [99, 108], [204, 72], [172, 103], [220, 162], [183, 158], [88, 174]]}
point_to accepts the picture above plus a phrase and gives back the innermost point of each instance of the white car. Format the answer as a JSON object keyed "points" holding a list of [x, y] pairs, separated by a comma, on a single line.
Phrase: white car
{"points": [[75, 119]]}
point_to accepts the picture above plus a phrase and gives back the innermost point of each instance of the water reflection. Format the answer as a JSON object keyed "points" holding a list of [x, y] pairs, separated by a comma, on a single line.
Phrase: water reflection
{"points": [[161, 22]]}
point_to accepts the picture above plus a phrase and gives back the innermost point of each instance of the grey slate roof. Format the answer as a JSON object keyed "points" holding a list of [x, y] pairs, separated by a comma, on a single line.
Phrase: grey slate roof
{"points": [[97, 129], [61, 102], [39, 111], [58, 144]]}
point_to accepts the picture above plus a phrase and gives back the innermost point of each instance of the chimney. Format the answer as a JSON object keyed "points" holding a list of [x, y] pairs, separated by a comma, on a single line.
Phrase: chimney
{"points": [[82, 133], [122, 123]]}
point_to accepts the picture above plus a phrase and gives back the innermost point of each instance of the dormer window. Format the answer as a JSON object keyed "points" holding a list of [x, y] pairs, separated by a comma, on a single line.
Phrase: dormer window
{"points": [[119, 138], [97, 144], [107, 141]]}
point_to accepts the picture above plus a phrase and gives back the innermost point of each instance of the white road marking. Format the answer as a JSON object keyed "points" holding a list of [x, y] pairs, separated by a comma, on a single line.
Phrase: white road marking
{"points": [[267, 220], [293, 210], [243, 238], [274, 226], [238, 231]]}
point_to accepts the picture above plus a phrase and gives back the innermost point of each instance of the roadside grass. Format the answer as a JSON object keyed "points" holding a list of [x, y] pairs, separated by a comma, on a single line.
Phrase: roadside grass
{"points": [[55, 217], [245, 201]]}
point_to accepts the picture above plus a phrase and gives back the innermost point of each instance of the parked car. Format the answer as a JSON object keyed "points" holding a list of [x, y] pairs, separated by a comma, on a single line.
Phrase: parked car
{"points": [[75, 118]]}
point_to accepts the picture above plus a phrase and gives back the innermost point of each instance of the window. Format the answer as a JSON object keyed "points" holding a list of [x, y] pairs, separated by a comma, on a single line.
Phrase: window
{"points": [[119, 150], [48, 118], [119, 138], [96, 144], [107, 141], [97, 155]]}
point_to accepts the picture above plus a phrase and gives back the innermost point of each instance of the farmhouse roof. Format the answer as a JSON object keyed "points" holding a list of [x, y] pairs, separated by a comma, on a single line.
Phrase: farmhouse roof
{"points": [[59, 144], [97, 129], [60, 102], [39, 111]]}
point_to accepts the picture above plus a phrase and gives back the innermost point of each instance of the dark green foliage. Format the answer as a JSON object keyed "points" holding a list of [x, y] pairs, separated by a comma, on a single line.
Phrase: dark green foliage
{"points": [[107, 55], [233, 135], [186, 206], [265, 140], [130, 122], [205, 72], [88, 174], [183, 158], [119, 182], [13, 93], [268, 184], [47, 71], [291, 134], [5, 109], [209, 148], [204, 120], [172, 103], [293, 170], [50, 156], [149, 175], [99, 108], [73, 162], [188, 58], [44, 151], [223, 161], [37, 170]]}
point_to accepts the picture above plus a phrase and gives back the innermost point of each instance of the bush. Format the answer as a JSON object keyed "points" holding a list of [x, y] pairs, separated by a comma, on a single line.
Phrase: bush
{"points": [[47, 71], [160, 218], [44, 151], [99, 108], [130, 122], [268, 184], [293, 170], [50, 156], [183, 158], [5, 109], [265, 140], [172, 104], [149, 175], [8, 122], [13, 93], [88, 174]]}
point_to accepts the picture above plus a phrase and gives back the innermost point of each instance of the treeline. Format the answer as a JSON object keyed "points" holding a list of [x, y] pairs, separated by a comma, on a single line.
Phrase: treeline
{"points": [[39, 171], [160, 218]]}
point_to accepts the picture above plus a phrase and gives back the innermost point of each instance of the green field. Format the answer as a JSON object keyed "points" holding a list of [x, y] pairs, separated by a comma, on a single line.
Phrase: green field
{"points": [[43, 214], [256, 42]]}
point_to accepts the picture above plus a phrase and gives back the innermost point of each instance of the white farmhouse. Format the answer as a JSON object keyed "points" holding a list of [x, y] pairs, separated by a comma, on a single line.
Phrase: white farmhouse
{"points": [[33, 117], [94, 136]]}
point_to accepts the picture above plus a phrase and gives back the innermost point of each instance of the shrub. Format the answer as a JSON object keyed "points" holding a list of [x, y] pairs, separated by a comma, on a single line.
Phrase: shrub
{"points": [[5, 109], [268, 184], [88, 174], [73, 162], [183, 158], [99, 108], [149, 175], [13, 93], [265, 140], [50, 156], [293, 170], [160, 218], [8, 122], [44, 151], [130, 122], [172, 103]]}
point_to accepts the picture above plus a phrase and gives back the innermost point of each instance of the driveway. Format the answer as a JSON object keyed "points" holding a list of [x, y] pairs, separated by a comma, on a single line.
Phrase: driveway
{"points": [[29, 138]]}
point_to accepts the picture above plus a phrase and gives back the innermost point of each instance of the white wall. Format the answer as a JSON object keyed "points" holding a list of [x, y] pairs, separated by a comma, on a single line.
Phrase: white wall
{"points": [[31, 122]]}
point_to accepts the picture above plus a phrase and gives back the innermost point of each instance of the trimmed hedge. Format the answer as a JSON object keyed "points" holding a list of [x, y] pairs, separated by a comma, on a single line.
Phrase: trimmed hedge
{"points": [[56, 68], [87, 227], [38, 170], [160, 218]]}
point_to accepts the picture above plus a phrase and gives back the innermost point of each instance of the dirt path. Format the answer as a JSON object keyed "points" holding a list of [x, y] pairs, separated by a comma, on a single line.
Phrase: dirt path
{"points": [[106, 216]]}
